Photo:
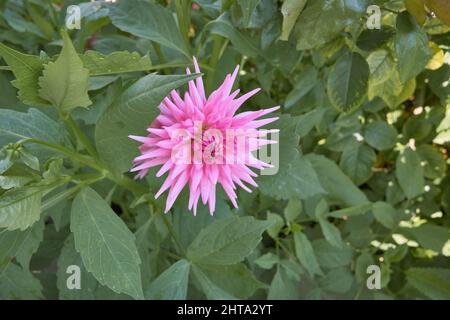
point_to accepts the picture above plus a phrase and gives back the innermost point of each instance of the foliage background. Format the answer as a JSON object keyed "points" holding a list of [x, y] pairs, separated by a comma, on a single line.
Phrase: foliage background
{"points": [[365, 131]]}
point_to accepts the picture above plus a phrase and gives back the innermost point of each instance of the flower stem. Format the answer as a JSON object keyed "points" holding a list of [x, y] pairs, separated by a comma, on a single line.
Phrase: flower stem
{"points": [[82, 138], [172, 232]]}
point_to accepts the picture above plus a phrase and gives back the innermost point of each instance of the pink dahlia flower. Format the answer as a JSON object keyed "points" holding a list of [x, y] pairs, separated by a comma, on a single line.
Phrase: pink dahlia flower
{"points": [[202, 142]]}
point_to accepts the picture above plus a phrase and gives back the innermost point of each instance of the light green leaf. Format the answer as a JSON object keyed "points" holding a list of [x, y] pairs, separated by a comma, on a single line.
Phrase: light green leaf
{"points": [[411, 46], [20, 208], [227, 241], [305, 254], [130, 115], [290, 10], [331, 232], [347, 82], [149, 21], [410, 173], [381, 66], [116, 62], [26, 69], [277, 223], [293, 209], [105, 244], [172, 284], [434, 283], [65, 82], [267, 261], [350, 212]]}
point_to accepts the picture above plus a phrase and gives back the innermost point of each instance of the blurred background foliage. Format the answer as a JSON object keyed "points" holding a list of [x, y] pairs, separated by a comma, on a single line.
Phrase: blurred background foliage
{"points": [[363, 178]]}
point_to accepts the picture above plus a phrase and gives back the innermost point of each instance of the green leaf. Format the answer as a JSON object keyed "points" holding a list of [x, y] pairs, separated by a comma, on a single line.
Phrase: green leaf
{"points": [[331, 232], [435, 165], [410, 173], [296, 179], [130, 115], [116, 62], [282, 287], [429, 236], [172, 284], [267, 261], [380, 135], [434, 283], [248, 7], [411, 46], [385, 214], [381, 66], [338, 280], [364, 260], [357, 163], [293, 209], [350, 212], [17, 283], [304, 84], [290, 10], [237, 279], [227, 241], [70, 257], [20, 245], [224, 27], [65, 82], [340, 189], [371, 39], [26, 69], [323, 20], [305, 254], [347, 82], [20, 208], [105, 244], [16, 126], [330, 256], [209, 288], [149, 21], [277, 223]]}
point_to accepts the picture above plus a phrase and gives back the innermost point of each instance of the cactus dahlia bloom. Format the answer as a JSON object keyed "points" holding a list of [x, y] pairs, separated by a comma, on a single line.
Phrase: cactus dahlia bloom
{"points": [[201, 142]]}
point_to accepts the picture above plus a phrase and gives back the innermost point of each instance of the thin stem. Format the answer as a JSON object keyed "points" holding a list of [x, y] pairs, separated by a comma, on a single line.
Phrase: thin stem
{"points": [[215, 57], [183, 9], [82, 138], [172, 232], [71, 154], [122, 181]]}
